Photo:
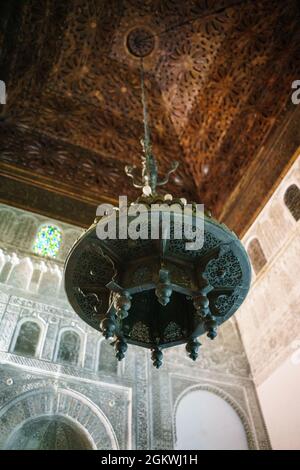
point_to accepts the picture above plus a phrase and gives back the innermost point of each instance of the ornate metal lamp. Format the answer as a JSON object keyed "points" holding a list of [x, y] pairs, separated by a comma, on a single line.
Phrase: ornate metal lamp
{"points": [[155, 293]]}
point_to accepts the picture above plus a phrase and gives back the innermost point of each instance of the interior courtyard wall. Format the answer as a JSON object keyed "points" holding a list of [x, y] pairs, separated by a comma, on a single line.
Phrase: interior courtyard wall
{"points": [[269, 319], [123, 406]]}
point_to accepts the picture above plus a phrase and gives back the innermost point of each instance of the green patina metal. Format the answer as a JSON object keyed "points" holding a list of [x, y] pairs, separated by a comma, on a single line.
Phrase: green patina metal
{"points": [[156, 293]]}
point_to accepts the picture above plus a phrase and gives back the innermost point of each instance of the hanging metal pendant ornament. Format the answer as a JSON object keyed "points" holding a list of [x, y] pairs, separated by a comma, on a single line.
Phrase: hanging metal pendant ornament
{"points": [[155, 293]]}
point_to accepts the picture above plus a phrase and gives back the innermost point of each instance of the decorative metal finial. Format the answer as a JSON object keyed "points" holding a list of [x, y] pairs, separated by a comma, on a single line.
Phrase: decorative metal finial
{"points": [[149, 179]]}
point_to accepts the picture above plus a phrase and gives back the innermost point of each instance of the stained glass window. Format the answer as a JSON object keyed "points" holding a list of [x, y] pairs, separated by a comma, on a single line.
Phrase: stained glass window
{"points": [[47, 241]]}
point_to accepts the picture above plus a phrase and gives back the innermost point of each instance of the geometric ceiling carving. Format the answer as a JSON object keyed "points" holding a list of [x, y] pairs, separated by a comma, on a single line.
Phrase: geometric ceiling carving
{"points": [[218, 84]]}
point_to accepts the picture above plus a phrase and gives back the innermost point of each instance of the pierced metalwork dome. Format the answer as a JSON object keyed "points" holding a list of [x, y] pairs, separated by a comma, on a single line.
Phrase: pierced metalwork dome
{"points": [[153, 291]]}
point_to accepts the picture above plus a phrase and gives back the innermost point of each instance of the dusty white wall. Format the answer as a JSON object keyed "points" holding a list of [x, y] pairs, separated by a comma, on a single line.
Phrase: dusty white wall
{"points": [[279, 397], [207, 422], [269, 320]]}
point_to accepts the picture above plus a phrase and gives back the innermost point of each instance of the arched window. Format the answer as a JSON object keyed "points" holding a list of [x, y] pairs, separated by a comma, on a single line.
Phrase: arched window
{"points": [[205, 421], [48, 433], [69, 347], [48, 241], [107, 361], [21, 274], [6, 271], [7, 225], [27, 339], [50, 282], [25, 229], [292, 200], [256, 255]]}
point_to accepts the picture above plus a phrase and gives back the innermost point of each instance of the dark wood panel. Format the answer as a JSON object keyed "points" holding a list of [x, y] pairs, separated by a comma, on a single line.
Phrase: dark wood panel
{"points": [[36, 199], [218, 83]]}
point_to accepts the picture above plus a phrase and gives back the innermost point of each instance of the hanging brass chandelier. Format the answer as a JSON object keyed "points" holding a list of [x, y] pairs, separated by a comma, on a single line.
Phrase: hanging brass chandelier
{"points": [[150, 291]]}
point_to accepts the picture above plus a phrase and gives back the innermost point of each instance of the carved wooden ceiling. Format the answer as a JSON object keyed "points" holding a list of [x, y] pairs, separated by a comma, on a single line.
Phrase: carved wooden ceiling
{"points": [[218, 82]]}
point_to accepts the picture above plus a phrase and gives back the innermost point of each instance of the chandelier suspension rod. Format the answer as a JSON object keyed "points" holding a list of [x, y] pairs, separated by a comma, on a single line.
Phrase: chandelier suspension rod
{"points": [[147, 138], [149, 173]]}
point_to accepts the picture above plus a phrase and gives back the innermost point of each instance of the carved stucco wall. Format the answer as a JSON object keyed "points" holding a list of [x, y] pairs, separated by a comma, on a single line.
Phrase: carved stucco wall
{"points": [[132, 408], [269, 319]]}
